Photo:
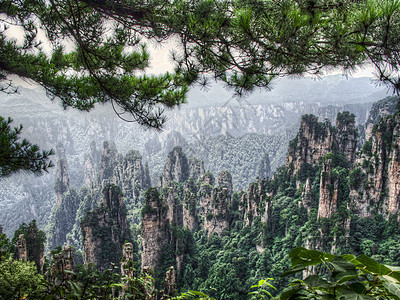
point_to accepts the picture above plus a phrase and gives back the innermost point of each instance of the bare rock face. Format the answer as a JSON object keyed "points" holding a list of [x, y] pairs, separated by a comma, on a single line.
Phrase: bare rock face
{"points": [[127, 259], [307, 195], [208, 178], [104, 230], [133, 175], [154, 229], [196, 168], [255, 203], [176, 167], [62, 262], [346, 135], [224, 180], [328, 191], [62, 218], [62, 180], [171, 196], [189, 207], [265, 168], [92, 160], [21, 248], [169, 284], [379, 110], [216, 204], [375, 181], [316, 139], [30, 246]]}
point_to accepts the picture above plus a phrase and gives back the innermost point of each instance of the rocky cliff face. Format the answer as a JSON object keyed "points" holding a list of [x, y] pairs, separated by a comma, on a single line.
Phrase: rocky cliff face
{"points": [[375, 181], [265, 167], [216, 204], [63, 215], [100, 169], [255, 203], [379, 110], [328, 191], [316, 139], [346, 135], [105, 230], [92, 160], [62, 266], [155, 229], [176, 168], [62, 180], [185, 201]]}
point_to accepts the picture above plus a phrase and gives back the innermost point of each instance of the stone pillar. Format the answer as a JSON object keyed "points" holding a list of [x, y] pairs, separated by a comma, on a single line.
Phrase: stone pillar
{"points": [[21, 246]]}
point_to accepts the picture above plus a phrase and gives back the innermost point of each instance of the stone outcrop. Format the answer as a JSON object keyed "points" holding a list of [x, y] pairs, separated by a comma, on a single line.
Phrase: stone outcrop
{"points": [[91, 163], [216, 204], [255, 203], [61, 184], [155, 233], [380, 109], [346, 135], [196, 168], [127, 269], [108, 162], [316, 139], [63, 215], [265, 168], [189, 207], [169, 284], [62, 262], [105, 230], [101, 168], [176, 168], [328, 191], [307, 195], [375, 181], [21, 248], [30, 245]]}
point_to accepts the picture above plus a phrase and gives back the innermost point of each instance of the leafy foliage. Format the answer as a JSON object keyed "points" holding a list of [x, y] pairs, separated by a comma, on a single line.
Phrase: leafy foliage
{"points": [[341, 277], [19, 279]]}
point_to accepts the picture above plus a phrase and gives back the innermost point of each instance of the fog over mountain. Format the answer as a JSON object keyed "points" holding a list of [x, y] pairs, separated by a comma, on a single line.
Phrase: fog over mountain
{"points": [[225, 132]]}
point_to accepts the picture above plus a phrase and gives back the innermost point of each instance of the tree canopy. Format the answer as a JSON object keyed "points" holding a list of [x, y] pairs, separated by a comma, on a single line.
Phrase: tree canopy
{"points": [[244, 43]]}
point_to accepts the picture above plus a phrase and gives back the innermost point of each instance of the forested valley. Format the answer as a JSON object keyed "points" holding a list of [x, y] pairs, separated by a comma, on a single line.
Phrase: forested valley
{"points": [[193, 232], [214, 164]]}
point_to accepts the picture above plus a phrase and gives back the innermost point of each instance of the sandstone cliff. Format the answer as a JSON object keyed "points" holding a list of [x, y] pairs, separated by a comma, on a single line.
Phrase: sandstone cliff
{"points": [[105, 230], [63, 215], [216, 204], [375, 181], [316, 139], [176, 168], [155, 229]]}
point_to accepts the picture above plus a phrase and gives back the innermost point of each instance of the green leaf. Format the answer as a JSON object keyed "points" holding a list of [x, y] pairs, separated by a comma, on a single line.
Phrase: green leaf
{"points": [[348, 294], [289, 292], [293, 271], [343, 266], [371, 265], [304, 257], [315, 281], [340, 278], [392, 288]]}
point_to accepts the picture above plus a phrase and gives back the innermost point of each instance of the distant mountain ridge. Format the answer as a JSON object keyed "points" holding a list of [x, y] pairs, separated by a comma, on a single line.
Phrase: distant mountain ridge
{"points": [[224, 133]]}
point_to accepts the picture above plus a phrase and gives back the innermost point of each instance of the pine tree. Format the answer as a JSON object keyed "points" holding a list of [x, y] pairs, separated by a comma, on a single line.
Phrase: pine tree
{"points": [[244, 43]]}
